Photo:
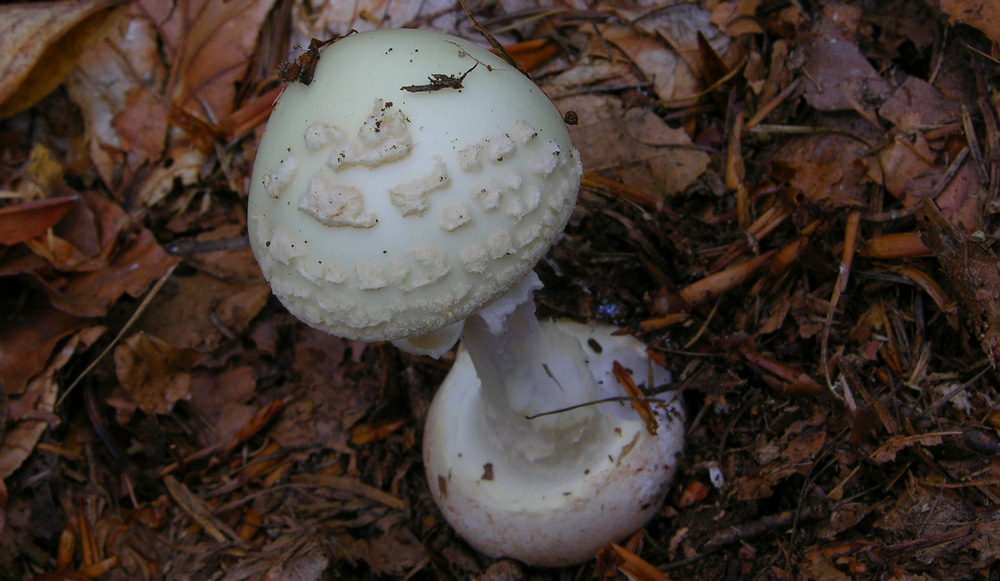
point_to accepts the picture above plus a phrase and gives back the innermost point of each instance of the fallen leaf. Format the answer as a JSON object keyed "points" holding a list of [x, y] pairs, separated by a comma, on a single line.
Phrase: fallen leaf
{"points": [[896, 444], [324, 406], [184, 311], [660, 162], [981, 14], [155, 375], [679, 27], [671, 77], [839, 76], [40, 44], [23, 221], [917, 103], [100, 256], [24, 430], [209, 45], [393, 553], [180, 167], [825, 168], [222, 399], [114, 86], [26, 341], [907, 157], [972, 270]]}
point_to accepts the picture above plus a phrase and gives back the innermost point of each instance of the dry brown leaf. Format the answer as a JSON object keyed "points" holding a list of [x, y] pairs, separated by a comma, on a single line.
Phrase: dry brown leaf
{"points": [[26, 341], [29, 416], [634, 146], [324, 406], [839, 76], [222, 399], [972, 270], [981, 14], [114, 87], [182, 167], [40, 44], [394, 553], [208, 45], [23, 221], [679, 26], [737, 18], [961, 202], [916, 103], [908, 156], [113, 258], [670, 75], [825, 168], [142, 124], [896, 444], [191, 309], [155, 375], [231, 265], [346, 15], [44, 177]]}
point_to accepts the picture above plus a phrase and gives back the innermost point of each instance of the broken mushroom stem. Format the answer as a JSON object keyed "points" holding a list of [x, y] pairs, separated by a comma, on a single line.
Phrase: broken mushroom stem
{"points": [[527, 369]]}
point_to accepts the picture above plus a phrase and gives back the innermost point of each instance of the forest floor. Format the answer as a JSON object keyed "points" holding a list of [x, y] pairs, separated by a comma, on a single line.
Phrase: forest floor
{"points": [[793, 203]]}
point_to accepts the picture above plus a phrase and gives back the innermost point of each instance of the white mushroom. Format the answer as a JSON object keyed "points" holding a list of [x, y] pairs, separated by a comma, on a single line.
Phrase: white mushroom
{"points": [[415, 181], [550, 490], [387, 202]]}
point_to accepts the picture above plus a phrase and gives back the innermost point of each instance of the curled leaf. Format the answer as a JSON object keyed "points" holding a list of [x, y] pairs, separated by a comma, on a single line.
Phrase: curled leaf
{"points": [[40, 44]]}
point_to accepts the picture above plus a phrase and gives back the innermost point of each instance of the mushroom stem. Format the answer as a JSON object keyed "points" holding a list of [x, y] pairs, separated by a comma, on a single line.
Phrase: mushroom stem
{"points": [[527, 369]]}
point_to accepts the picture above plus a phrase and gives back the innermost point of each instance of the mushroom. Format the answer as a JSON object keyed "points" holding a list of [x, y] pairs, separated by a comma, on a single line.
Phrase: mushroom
{"points": [[406, 194]]}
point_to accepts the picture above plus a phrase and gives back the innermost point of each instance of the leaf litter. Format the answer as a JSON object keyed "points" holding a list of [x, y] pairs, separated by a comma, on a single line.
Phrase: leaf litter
{"points": [[794, 204]]}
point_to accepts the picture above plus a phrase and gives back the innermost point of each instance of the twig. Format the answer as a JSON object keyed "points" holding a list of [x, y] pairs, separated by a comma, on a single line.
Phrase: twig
{"points": [[352, 486], [128, 325]]}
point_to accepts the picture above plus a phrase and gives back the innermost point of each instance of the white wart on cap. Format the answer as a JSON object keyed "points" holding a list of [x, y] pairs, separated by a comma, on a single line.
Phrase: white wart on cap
{"points": [[386, 203]]}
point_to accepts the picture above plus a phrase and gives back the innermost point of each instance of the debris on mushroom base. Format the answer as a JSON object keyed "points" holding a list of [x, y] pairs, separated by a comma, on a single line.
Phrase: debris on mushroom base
{"points": [[562, 485]]}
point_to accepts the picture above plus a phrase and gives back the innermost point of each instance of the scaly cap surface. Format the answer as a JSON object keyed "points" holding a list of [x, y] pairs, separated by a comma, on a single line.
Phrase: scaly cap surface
{"points": [[385, 202]]}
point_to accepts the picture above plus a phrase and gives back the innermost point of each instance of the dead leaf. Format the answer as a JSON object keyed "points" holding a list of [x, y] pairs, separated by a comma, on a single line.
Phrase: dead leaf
{"points": [[222, 399], [671, 77], [115, 87], [634, 146], [44, 177], [36, 404], [839, 76], [679, 26], [323, 406], [23, 221], [141, 124], [181, 167], [981, 14], [895, 444], [196, 311], [907, 157], [26, 341], [393, 553], [231, 265], [342, 17], [825, 168], [98, 255], [154, 374], [40, 44], [208, 45], [972, 270], [916, 103]]}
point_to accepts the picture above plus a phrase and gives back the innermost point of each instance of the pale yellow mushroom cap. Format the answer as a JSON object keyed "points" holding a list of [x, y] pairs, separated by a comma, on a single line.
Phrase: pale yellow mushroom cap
{"points": [[384, 204]]}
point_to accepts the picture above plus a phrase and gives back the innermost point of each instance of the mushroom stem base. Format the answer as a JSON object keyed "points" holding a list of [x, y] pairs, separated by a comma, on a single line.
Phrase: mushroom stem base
{"points": [[560, 510]]}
